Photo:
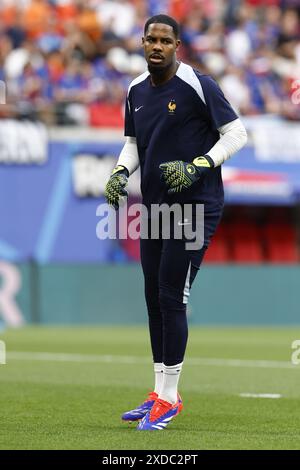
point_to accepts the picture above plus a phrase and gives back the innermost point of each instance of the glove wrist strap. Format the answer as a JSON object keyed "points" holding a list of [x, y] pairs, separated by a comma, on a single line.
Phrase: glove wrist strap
{"points": [[204, 161], [120, 169]]}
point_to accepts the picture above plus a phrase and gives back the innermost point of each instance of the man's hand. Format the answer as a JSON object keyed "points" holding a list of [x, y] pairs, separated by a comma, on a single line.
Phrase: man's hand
{"points": [[115, 187], [179, 175]]}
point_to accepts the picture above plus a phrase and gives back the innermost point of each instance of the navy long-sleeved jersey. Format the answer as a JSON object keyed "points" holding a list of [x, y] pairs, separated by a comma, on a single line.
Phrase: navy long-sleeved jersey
{"points": [[177, 121]]}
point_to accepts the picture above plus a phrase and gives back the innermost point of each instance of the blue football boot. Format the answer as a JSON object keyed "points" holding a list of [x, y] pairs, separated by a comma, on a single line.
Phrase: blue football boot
{"points": [[160, 415], [139, 412]]}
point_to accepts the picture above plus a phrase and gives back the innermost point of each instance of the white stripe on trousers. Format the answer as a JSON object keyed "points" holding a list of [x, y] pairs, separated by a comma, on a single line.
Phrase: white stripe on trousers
{"points": [[186, 290]]}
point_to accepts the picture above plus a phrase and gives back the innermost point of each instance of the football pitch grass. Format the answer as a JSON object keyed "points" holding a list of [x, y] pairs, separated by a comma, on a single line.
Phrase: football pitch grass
{"points": [[66, 388]]}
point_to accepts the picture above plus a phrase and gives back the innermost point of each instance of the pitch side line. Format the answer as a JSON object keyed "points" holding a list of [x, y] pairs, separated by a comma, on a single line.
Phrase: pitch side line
{"points": [[111, 359], [261, 395]]}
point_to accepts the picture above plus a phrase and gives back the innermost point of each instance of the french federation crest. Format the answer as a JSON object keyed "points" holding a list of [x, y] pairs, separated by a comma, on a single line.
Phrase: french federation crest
{"points": [[172, 107]]}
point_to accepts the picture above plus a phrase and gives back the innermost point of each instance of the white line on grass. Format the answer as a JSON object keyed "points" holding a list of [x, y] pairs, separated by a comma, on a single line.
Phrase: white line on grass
{"points": [[241, 363], [112, 359], [260, 395]]}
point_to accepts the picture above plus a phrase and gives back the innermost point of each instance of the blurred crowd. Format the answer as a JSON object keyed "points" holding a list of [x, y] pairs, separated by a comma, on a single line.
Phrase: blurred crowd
{"points": [[70, 61]]}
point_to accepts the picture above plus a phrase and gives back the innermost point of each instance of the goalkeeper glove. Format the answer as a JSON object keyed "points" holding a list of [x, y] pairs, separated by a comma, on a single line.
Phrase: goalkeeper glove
{"points": [[115, 187], [179, 175]]}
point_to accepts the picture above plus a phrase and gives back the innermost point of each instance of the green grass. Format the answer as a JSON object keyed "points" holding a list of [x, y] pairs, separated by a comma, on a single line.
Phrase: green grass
{"points": [[47, 404]]}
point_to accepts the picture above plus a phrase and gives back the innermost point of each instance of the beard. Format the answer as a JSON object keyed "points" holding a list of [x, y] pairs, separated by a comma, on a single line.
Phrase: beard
{"points": [[158, 70]]}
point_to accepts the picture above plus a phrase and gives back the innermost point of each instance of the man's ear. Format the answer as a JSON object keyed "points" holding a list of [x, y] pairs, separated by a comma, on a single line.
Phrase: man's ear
{"points": [[143, 40], [178, 43]]}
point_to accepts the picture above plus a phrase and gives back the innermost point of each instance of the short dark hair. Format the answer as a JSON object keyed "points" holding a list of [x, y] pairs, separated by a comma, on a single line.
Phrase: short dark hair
{"points": [[164, 19]]}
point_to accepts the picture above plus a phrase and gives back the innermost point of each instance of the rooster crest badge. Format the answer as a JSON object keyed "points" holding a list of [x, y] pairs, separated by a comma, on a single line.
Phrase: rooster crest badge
{"points": [[172, 106]]}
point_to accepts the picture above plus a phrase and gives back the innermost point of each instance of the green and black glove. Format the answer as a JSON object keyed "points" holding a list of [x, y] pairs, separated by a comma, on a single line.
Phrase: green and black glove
{"points": [[115, 187], [179, 175]]}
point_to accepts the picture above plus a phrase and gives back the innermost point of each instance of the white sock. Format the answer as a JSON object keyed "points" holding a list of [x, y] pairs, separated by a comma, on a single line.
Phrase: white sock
{"points": [[171, 376], [159, 375]]}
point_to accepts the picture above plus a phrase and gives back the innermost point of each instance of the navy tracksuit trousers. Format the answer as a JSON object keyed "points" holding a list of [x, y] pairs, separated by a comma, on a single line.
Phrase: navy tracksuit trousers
{"points": [[169, 271]]}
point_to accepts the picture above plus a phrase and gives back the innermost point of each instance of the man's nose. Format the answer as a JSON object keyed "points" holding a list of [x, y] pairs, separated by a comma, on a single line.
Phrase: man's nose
{"points": [[157, 46]]}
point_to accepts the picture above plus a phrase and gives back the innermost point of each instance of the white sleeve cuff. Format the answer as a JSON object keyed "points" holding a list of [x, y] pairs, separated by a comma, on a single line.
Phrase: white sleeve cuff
{"points": [[129, 155], [233, 137]]}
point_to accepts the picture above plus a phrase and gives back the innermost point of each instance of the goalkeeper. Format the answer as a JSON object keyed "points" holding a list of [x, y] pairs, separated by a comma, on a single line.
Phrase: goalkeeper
{"points": [[179, 129]]}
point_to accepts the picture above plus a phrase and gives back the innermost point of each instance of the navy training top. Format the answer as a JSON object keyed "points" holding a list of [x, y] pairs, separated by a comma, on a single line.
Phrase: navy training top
{"points": [[177, 121]]}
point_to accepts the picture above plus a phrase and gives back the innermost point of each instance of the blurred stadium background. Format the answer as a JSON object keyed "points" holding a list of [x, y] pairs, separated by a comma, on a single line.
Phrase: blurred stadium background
{"points": [[64, 68]]}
